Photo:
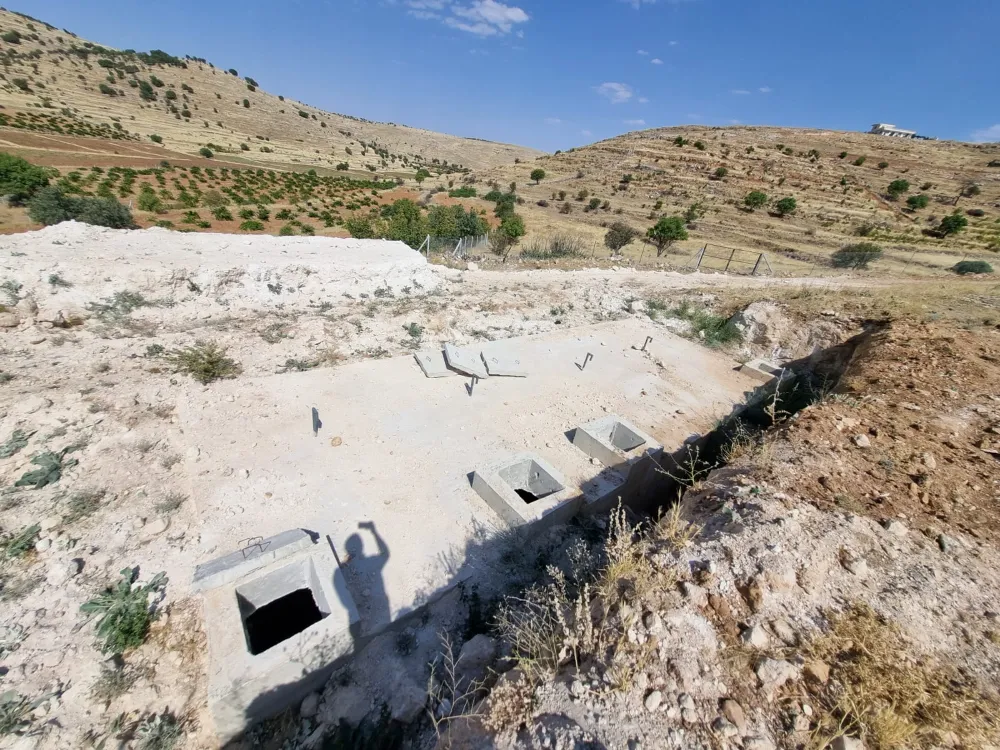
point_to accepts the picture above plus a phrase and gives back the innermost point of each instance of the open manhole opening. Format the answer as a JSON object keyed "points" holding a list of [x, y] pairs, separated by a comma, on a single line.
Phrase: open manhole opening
{"points": [[529, 480], [280, 605], [624, 439]]}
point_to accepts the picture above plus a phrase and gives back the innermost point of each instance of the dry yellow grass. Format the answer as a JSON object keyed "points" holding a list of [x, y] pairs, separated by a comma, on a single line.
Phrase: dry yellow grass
{"points": [[878, 691]]}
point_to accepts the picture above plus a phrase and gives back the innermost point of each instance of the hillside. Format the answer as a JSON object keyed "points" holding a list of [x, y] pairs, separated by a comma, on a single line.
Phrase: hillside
{"points": [[55, 84], [641, 176]]}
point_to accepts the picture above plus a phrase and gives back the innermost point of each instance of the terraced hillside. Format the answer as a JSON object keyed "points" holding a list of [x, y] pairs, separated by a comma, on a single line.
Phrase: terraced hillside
{"points": [[839, 181], [58, 91]]}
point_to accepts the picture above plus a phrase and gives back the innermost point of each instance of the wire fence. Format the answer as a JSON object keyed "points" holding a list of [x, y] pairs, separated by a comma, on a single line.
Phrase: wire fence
{"points": [[461, 247]]}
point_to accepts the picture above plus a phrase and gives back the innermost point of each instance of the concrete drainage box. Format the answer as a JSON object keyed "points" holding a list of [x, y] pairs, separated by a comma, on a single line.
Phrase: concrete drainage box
{"points": [[761, 370], [279, 619], [525, 489], [624, 448]]}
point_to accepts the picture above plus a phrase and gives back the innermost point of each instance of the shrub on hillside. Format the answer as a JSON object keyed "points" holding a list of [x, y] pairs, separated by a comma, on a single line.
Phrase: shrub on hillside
{"points": [[538, 175], [897, 188], [859, 161], [858, 256], [917, 201], [156, 138], [246, 103], [785, 206], [107, 90], [170, 95], [206, 152], [21, 83], [755, 199], [667, 230], [155, 81], [972, 266], [20, 179], [51, 206], [619, 235], [11, 37], [149, 201], [251, 225], [721, 172], [952, 224]]}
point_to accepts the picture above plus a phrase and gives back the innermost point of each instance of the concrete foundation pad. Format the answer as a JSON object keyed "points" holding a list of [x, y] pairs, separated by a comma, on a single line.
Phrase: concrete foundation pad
{"points": [[433, 363], [761, 370], [387, 478], [275, 633], [467, 361]]}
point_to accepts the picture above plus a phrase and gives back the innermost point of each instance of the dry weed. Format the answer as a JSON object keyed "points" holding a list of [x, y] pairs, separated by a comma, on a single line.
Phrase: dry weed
{"points": [[879, 692]]}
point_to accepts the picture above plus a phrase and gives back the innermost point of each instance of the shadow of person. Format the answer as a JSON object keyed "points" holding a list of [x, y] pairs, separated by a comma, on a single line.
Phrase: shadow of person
{"points": [[365, 583]]}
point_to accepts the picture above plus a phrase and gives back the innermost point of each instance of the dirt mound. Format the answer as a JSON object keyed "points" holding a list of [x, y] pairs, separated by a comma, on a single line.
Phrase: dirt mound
{"points": [[770, 330], [913, 432]]}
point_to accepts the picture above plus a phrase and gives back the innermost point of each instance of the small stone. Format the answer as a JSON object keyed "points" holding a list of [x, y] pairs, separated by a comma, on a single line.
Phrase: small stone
{"points": [[642, 681], [847, 743], [724, 727], [928, 460], [755, 636], [862, 441], [157, 527], [784, 632], [138, 523], [690, 716], [49, 523], [577, 689], [310, 706], [695, 594], [471, 266], [894, 527], [653, 622], [946, 543], [773, 673], [685, 701], [817, 671], [733, 711], [653, 700], [8, 320], [42, 544]]}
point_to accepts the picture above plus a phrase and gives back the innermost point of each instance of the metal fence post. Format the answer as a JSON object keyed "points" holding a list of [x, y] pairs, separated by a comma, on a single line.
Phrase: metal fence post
{"points": [[726, 269]]}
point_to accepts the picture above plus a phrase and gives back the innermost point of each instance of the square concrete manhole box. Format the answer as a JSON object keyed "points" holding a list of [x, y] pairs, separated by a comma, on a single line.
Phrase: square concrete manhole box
{"points": [[279, 619], [612, 440], [280, 605], [524, 489]]}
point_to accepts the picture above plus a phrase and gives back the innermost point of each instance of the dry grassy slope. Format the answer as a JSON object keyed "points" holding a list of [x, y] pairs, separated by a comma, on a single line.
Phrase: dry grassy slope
{"points": [[70, 81], [827, 214]]}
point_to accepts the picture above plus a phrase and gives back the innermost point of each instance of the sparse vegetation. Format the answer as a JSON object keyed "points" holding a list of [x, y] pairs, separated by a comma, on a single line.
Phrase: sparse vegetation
{"points": [[897, 188], [124, 612], [952, 224], [205, 361], [51, 206], [619, 235], [785, 206], [965, 267], [857, 257], [755, 199]]}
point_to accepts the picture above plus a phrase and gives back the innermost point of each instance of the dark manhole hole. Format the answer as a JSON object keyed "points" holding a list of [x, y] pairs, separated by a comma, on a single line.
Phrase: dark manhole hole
{"points": [[279, 620]]}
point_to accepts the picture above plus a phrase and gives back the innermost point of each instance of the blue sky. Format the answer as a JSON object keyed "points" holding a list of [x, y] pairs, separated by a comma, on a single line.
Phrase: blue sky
{"points": [[554, 73]]}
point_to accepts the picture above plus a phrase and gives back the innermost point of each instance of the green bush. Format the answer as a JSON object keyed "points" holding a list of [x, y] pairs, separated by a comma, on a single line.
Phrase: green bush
{"points": [[916, 202], [755, 199], [155, 81], [149, 201], [170, 95], [12, 37], [125, 612], [19, 178], [859, 161], [619, 235], [246, 103], [21, 83], [222, 213], [343, 166], [883, 164], [206, 152], [107, 90], [952, 224], [466, 191], [972, 266], [360, 227], [303, 114], [700, 145], [251, 225], [156, 138], [857, 257], [538, 175], [246, 213], [51, 206], [897, 188], [786, 206], [721, 172], [146, 92], [286, 231], [206, 361], [843, 155]]}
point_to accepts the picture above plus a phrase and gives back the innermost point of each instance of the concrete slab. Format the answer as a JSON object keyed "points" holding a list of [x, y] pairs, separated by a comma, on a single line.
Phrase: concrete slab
{"points": [[433, 363], [252, 677], [467, 361], [388, 478], [499, 364], [761, 370], [253, 554]]}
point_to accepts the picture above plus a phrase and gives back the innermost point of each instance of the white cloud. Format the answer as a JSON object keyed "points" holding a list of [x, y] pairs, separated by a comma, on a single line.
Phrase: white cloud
{"points": [[656, 61], [616, 93], [586, 133], [765, 89], [553, 121], [992, 133], [643, 100], [735, 122], [480, 17], [642, 52], [672, 43], [639, 3], [637, 123], [740, 92]]}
